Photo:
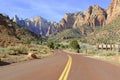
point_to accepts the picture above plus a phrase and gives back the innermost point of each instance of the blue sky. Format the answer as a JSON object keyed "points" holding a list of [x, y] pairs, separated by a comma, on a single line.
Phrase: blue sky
{"points": [[48, 9]]}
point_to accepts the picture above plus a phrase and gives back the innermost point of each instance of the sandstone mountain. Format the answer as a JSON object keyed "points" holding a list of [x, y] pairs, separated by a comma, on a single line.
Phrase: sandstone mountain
{"points": [[67, 21], [113, 10], [38, 25], [11, 33], [110, 33], [94, 17]]}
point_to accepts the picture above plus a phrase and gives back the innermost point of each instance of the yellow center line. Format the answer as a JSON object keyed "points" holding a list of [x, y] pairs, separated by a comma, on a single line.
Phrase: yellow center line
{"points": [[66, 70], [67, 73]]}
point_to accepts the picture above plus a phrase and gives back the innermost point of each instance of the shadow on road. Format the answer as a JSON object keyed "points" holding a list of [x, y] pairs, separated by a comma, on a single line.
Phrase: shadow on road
{"points": [[4, 63]]}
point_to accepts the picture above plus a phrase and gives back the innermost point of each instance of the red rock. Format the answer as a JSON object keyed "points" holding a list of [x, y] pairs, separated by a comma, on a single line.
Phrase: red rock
{"points": [[113, 10]]}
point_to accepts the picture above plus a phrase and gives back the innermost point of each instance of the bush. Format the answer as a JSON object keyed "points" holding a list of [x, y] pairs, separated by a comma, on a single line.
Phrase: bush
{"points": [[22, 49], [26, 41], [74, 44], [57, 46], [3, 52], [62, 46], [51, 45], [15, 50]]}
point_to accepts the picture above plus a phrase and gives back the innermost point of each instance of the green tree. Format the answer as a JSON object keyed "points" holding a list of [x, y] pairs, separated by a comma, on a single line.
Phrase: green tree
{"points": [[50, 45], [74, 44]]}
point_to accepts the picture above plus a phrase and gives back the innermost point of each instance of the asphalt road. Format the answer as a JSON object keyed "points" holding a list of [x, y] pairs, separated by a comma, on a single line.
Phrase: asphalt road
{"points": [[61, 66]]}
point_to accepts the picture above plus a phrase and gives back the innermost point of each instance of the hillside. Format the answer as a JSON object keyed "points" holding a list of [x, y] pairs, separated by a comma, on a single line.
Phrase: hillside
{"points": [[74, 33], [66, 35], [110, 33], [11, 33]]}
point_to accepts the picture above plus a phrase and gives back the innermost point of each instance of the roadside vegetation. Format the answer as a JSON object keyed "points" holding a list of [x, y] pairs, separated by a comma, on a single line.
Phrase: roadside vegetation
{"points": [[18, 53], [71, 45], [53, 45], [75, 45], [107, 55]]}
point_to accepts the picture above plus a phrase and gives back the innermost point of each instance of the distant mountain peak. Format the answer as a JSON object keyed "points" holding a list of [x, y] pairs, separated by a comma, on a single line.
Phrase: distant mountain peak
{"points": [[37, 18], [15, 18]]}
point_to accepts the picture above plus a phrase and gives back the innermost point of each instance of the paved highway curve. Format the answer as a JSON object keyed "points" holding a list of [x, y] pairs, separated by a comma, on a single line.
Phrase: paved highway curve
{"points": [[61, 66]]}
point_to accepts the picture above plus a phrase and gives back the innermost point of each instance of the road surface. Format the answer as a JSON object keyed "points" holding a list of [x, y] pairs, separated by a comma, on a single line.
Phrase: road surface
{"points": [[61, 66]]}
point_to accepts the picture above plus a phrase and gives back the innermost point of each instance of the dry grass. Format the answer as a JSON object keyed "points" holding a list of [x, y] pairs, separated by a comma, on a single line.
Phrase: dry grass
{"points": [[112, 59], [14, 54]]}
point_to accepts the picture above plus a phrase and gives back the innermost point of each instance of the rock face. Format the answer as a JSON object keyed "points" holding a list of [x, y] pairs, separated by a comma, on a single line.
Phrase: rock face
{"points": [[15, 19], [72, 20], [113, 10], [79, 19], [37, 24], [95, 16], [68, 21], [53, 28]]}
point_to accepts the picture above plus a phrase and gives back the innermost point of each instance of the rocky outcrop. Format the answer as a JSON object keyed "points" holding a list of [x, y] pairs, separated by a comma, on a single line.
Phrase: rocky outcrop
{"points": [[72, 20], [113, 10], [37, 25], [79, 19], [32, 55], [68, 21], [53, 28], [15, 19], [95, 16]]}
